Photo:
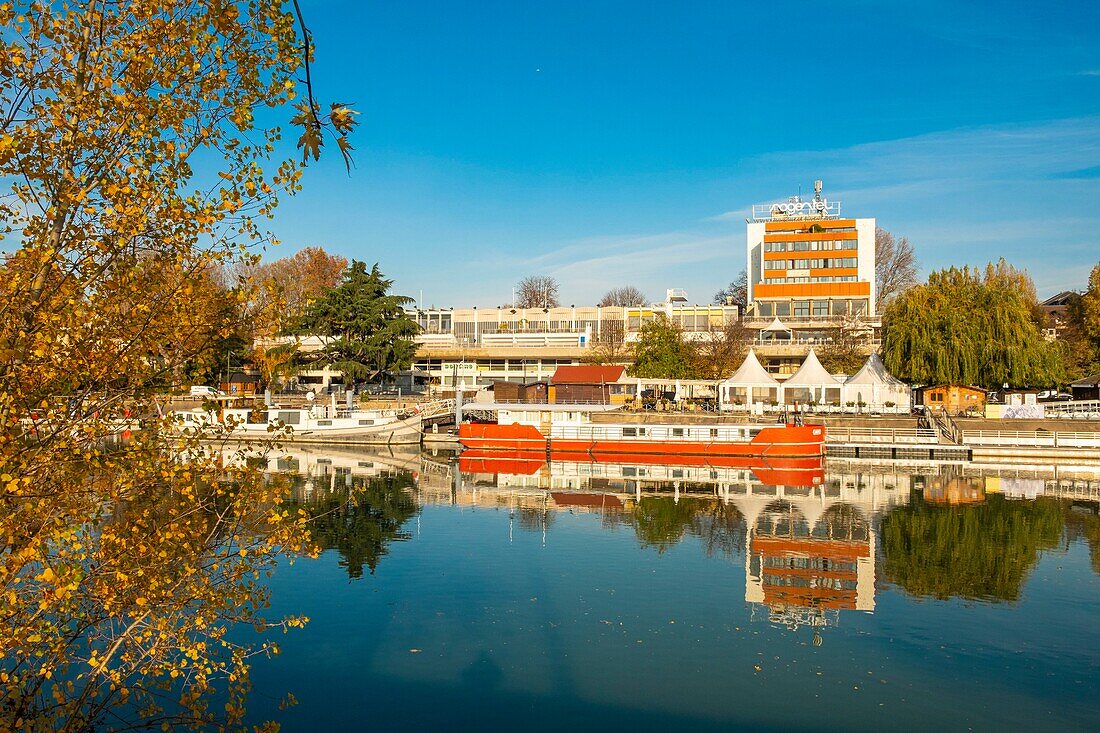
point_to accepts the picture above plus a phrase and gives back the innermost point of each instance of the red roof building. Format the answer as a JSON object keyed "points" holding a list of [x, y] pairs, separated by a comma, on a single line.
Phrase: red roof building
{"points": [[588, 384], [588, 374]]}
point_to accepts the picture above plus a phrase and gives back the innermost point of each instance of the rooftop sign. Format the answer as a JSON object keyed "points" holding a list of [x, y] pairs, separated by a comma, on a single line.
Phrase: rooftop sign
{"points": [[796, 208]]}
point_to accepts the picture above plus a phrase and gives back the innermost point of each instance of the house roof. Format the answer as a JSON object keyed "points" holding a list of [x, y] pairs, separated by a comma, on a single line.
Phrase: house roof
{"points": [[1093, 381], [958, 386], [811, 374], [751, 374], [239, 378], [588, 374], [1060, 299]]}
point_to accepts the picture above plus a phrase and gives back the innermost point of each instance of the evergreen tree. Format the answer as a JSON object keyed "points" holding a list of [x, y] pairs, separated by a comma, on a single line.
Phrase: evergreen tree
{"points": [[661, 351], [961, 329], [367, 329]]}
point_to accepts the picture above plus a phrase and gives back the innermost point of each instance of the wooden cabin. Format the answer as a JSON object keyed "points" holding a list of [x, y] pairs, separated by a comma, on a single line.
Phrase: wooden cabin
{"points": [[589, 384], [241, 384], [530, 392], [954, 398], [1086, 389]]}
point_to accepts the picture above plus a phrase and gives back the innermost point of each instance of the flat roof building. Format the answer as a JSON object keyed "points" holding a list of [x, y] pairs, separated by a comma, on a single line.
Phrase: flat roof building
{"points": [[807, 262]]}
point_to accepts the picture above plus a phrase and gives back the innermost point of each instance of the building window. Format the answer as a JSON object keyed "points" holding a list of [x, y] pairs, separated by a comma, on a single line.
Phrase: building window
{"points": [[801, 308], [782, 309], [821, 307]]}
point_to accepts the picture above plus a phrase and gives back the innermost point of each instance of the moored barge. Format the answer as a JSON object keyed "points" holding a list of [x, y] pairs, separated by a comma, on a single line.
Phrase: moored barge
{"points": [[569, 428]]}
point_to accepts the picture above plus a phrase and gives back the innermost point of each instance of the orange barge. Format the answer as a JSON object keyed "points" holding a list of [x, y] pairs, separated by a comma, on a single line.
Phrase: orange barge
{"points": [[568, 428]]}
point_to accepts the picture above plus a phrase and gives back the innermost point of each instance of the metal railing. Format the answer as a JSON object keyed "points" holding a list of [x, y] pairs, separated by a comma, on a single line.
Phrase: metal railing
{"points": [[915, 436], [1032, 439], [1071, 408]]}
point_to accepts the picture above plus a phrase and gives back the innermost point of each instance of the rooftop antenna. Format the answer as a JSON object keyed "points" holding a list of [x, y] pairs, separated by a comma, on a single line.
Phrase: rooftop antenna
{"points": [[817, 190]]}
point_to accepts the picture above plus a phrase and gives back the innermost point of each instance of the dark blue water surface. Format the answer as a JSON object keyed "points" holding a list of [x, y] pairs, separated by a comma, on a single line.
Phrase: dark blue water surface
{"points": [[874, 599]]}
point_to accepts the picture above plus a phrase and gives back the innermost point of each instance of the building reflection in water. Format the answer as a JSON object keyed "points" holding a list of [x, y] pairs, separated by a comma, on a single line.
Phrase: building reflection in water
{"points": [[813, 543]]}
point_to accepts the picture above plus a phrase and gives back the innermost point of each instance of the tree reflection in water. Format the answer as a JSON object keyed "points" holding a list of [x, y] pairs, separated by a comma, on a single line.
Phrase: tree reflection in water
{"points": [[661, 522], [979, 551], [1083, 522], [357, 516]]}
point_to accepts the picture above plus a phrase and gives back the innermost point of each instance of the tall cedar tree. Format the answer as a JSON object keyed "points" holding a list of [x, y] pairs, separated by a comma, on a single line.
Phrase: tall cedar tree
{"points": [[960, 329], [367, 329]]}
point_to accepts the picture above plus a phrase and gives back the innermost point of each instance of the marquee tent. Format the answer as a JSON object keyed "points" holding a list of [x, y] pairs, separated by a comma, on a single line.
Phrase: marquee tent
{"points": [[811, 384], [750, 384], [775, 328], [874, 385]]}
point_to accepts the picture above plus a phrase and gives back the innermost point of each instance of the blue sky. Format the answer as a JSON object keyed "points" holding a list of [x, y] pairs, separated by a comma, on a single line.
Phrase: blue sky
{"points": [[622, 143]]}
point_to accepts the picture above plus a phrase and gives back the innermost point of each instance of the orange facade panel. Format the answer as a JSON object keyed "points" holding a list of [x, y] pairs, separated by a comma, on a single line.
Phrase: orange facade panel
{"points": [[805, 224], [812, 290], [834, 272], [768, 274], [811, 255], [810, 236]]}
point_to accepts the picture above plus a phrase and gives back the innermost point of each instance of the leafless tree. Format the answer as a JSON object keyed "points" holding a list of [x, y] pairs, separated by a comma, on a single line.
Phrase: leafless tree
{"points": [[537, 291], [736, 293], [626, 296], [849, 347], [719, 355], [609, 345], [895, 266]]}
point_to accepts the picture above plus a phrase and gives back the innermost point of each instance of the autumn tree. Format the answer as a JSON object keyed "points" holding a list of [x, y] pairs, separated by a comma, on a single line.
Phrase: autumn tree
{"points": [[895, 266], [609, 344], [626, 296], [1084, 324], [957, 329], [736, 293], [298, 280], [721, 350], [537, 291], [134, 166], [662, 352], [848, 348], [366, 329]]}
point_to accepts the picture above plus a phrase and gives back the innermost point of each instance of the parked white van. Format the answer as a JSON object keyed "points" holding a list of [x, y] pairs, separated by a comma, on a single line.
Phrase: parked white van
{"points": [[199, 390]]}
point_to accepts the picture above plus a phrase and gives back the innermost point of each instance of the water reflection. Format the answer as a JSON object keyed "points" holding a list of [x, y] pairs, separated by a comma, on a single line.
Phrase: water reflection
{"points": [[505, 586], [357, 503], [811, 548]]}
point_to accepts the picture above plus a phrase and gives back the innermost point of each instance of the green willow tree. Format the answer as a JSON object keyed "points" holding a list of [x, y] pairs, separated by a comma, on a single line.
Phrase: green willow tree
{"points": [[367, 329], [661, 352], [962, 329]]}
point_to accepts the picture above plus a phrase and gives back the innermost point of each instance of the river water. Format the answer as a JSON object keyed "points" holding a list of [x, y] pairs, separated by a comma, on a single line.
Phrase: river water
{"points": [[478, 595]]}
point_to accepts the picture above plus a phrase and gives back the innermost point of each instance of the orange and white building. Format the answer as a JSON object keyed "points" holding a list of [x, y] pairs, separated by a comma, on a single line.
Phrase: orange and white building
{"points": [[807, 263]]}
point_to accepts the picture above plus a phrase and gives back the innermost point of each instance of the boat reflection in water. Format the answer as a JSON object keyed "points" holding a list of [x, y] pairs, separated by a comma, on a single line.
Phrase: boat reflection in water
{"points": [[812, 541], [808, 543]]}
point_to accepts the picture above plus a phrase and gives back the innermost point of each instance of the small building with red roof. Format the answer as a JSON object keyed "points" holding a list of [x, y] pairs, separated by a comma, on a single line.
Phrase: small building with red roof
{"points": [[589, 384]]}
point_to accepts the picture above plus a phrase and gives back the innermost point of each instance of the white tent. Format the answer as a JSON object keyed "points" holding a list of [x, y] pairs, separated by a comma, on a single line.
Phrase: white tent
{"points": [[775, 328], [811, 384], [873, 385], [750, 384]]}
